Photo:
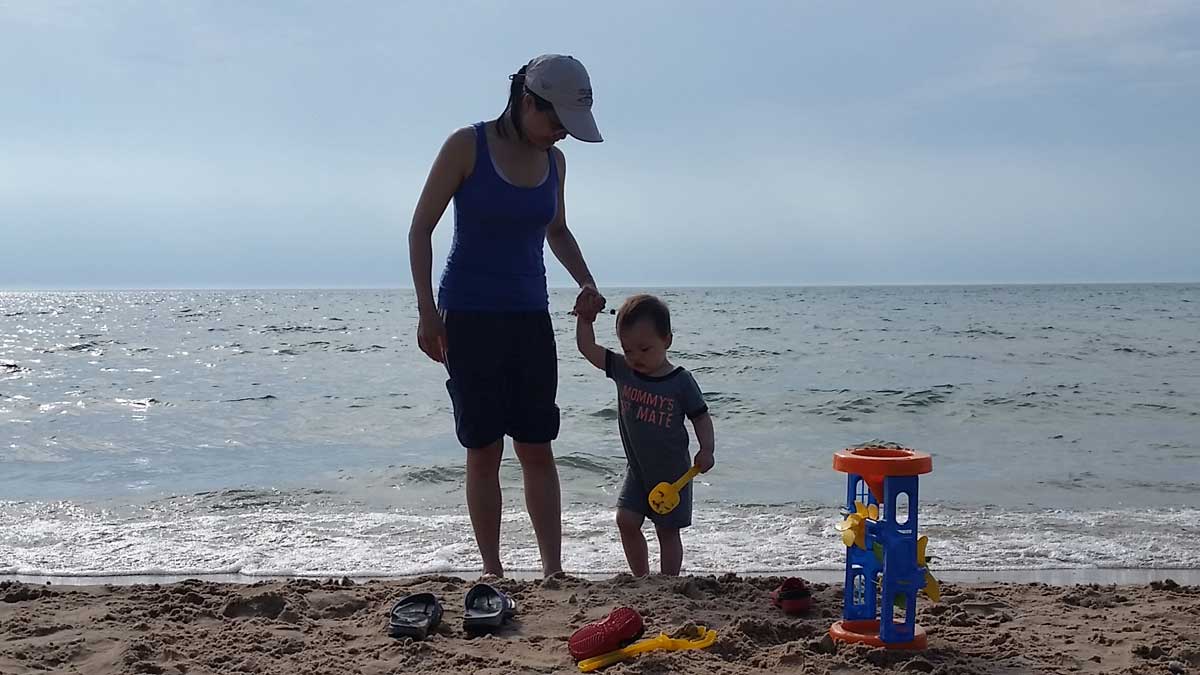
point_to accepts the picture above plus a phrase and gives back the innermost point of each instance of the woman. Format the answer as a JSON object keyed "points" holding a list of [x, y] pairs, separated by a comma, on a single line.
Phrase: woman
{"points": [[490, 325]]}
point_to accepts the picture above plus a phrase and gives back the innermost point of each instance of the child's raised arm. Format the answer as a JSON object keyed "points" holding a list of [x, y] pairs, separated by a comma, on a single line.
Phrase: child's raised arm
{"points": [[585, 339]]}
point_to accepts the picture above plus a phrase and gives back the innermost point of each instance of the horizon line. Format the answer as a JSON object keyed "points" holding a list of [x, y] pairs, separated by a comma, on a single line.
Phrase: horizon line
{"points": [[621, 285]]}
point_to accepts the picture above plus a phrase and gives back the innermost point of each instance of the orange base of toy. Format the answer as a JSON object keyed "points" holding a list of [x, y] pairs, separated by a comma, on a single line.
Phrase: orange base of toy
{"points": [[867, 632]]}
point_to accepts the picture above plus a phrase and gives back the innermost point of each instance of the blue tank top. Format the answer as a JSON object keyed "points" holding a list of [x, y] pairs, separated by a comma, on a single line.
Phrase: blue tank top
{"points": [[496, 262]]}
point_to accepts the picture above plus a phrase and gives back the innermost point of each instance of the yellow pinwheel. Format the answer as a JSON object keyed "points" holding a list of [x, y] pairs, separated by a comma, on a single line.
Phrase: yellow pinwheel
{"points": [[932, 588], [854, 527]]}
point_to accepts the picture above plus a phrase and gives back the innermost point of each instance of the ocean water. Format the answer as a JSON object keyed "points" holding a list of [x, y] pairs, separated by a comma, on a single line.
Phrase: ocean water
{"points": [[302, 432]]}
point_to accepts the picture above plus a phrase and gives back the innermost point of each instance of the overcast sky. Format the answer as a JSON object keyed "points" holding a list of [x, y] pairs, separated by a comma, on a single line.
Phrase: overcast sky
{"points": [[245, 144]]}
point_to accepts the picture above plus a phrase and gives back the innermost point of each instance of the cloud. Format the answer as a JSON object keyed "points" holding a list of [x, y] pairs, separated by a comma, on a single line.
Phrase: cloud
{"points": [[1042, 45]]}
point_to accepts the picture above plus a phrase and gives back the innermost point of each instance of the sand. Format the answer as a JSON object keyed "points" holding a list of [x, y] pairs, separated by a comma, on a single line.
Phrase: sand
{"points": [[307, 627]]}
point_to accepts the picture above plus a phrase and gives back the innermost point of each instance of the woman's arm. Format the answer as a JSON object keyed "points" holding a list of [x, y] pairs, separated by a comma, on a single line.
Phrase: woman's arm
{"points": [[452, 165], [561, 241]]}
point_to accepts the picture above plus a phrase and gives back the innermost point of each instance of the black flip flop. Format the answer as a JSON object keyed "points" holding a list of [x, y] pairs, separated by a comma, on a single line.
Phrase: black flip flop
{"points": [[415, 616], [487, 609]]}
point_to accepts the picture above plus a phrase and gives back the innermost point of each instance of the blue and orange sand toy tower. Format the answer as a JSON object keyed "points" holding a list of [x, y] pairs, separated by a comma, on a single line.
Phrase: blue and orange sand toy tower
{"points": [[885, 559]]}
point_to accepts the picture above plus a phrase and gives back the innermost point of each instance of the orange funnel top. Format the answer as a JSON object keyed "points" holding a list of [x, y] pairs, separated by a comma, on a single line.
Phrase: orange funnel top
{"points": [[875, 463]]}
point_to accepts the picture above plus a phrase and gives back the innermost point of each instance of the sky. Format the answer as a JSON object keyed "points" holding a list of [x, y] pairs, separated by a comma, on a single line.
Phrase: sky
{"points": [[284, 144]]}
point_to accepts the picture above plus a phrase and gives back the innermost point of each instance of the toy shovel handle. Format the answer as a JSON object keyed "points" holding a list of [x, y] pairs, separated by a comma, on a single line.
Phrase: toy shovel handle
{"points": [[597, 662], [683, 480]]}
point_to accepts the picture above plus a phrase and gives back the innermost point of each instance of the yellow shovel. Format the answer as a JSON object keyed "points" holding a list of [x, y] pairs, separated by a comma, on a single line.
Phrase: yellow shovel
{"points": [[665, 496], [706, 639]]}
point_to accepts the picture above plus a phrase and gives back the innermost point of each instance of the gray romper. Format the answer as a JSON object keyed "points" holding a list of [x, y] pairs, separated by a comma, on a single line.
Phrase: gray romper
{"points": [[651, 411]]}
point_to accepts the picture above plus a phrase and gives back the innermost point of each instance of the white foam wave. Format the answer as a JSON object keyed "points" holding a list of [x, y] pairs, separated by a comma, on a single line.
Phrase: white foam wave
{"points": [[183, 538]]}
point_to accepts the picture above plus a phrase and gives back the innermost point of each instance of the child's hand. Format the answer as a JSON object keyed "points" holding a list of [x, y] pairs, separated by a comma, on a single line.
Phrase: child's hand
{"points": [[705, 460]]}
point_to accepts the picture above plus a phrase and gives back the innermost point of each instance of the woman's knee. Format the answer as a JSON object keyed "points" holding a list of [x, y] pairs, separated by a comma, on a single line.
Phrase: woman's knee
{"points": [[485, 460], [534, 455]]}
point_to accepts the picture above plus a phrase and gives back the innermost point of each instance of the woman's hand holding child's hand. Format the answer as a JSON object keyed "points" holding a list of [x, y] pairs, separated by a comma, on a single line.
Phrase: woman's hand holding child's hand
{"points": [[589, 303]]}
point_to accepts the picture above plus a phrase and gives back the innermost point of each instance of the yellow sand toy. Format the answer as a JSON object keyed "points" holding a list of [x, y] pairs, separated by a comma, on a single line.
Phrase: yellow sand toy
{"points": [[665, 496], [707, 639], [886, 562]]}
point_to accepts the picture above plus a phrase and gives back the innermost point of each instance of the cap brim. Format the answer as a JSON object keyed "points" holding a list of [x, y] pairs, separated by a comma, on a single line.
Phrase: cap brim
{"points": [[580, 123]]}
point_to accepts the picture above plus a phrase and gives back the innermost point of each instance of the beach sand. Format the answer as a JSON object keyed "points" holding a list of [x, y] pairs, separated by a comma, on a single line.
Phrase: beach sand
{"points": [[308, 627]]}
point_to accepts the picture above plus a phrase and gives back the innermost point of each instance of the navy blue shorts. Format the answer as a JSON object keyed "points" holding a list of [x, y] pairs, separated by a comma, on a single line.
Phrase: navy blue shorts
{"points": [[503, 370], [635, 497]]}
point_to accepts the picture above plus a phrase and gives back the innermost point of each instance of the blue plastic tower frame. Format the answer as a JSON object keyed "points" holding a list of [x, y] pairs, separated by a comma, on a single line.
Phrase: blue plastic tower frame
{"points": [[897, 573]]}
